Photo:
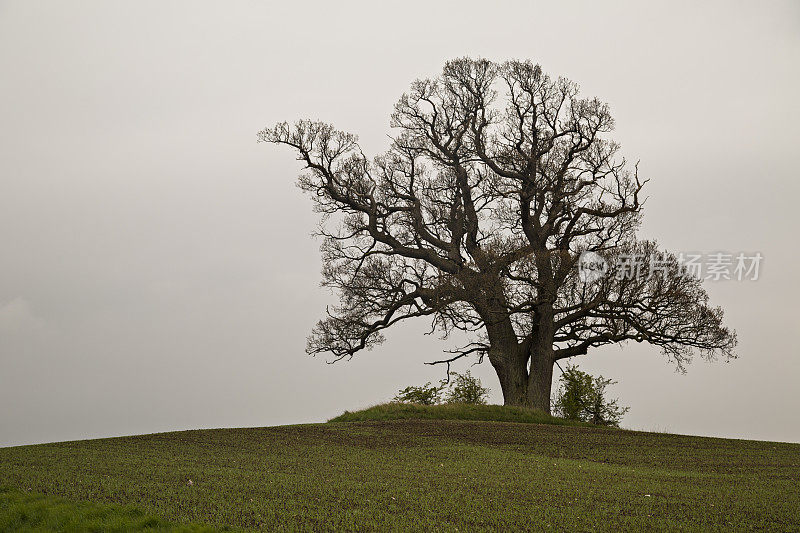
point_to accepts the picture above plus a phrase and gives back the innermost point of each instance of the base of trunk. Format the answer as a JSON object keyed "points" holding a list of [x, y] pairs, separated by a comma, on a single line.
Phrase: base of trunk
{"points": [[531, 391], [539, 406]]}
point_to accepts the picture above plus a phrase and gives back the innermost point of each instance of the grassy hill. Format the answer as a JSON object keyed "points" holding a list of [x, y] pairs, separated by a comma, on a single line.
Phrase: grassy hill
{"points": [[485, 413], [410, 469]]}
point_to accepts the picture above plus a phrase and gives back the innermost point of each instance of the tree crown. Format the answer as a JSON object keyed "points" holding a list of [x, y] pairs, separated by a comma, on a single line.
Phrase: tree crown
{"points": [[498, 179]]}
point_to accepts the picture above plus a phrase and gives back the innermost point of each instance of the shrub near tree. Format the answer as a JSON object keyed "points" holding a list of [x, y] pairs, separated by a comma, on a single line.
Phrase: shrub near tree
{"points": [[581, 396], [423, 395], [464, 388], [460, 388]]}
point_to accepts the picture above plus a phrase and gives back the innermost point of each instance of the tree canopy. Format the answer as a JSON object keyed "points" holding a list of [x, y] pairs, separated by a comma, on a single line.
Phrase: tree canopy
{"points": [[498, 180]]}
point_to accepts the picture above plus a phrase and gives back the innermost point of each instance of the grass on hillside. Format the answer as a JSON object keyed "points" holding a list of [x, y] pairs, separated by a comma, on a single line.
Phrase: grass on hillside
{"points": [[426, 475], [453, 411], [23, 511]]}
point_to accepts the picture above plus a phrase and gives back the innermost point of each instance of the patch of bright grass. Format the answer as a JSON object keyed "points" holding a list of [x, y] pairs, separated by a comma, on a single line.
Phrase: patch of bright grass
{"points": [[24, 511]]}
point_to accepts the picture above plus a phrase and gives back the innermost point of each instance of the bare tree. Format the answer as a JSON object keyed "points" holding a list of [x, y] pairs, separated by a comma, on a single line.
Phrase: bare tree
{"points": [[476, 217]]}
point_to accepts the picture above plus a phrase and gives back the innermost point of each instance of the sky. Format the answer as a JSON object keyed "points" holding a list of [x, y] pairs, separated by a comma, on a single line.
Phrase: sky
{"points": [[157, 270]]}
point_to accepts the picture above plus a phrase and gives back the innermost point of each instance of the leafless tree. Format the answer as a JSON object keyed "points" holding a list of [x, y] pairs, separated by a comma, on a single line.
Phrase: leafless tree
{"points": [[499, 179]]}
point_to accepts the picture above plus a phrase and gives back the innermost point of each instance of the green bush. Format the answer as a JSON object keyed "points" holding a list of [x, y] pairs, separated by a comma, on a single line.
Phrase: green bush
{"points": [[460, 388], [424, 395], [581, 396], [464, 388]]}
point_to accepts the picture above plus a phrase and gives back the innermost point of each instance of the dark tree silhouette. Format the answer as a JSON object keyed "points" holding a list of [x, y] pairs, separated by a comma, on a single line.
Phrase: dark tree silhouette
{"points": [[499, 179]]}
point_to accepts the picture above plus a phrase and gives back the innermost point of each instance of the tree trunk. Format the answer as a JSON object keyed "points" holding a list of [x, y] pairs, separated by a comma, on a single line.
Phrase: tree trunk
{"points": [[525, 389], [513, 382], [522, 386], [540, 383], [540, 375], [525, 370]]}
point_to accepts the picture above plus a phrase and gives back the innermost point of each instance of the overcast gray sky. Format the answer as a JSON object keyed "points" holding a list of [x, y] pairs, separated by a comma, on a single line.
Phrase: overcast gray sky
{"points": [[156, 269]]}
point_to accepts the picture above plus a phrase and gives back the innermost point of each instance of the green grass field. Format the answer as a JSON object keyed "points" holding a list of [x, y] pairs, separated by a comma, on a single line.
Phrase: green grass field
{"points": [[25, 511], [405, 468]]}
